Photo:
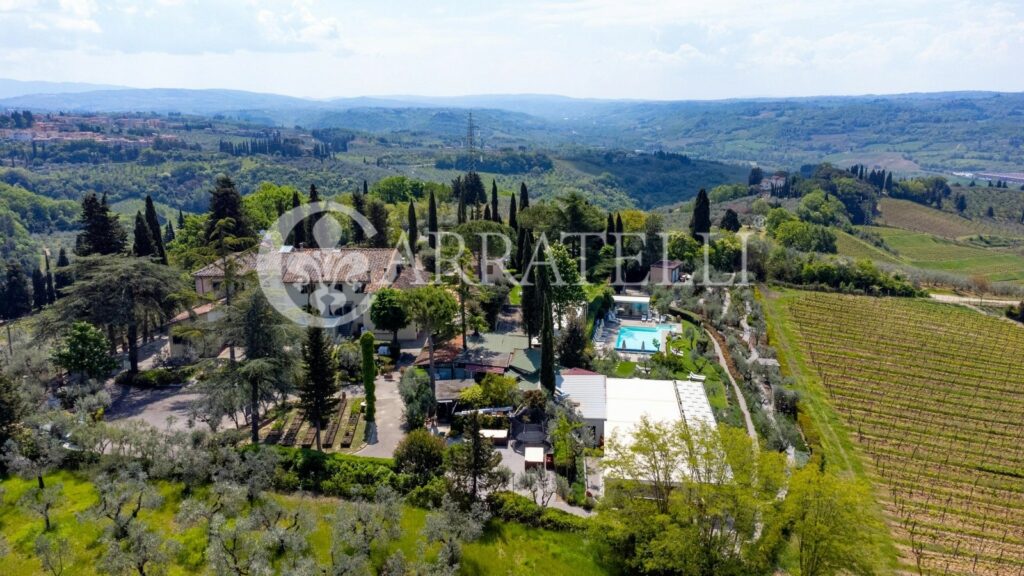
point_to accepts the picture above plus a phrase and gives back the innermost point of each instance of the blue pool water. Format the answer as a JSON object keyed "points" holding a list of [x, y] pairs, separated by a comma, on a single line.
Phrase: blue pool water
{"points": [[643, 338]]}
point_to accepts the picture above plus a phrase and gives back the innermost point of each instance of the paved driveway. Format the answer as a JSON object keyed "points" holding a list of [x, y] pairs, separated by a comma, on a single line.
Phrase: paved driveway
{"points": [[389, 420]]}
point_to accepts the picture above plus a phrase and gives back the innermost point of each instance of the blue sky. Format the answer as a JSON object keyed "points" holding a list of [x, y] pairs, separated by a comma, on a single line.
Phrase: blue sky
{"points": [[681, 49]]}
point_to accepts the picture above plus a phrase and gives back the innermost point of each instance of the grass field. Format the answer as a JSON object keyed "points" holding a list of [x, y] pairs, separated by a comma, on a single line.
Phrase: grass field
{"points": [[928, 398], [853, 247], [504, 548], [930, 252]]}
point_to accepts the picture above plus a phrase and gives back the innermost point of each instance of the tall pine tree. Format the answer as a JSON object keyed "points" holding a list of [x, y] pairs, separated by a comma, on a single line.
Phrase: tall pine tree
{"points": [[63, 277], [495, 214], [414, 233], [101, 230], [51, 292], [524, 197], [154, 230], [317, 388], [226, 202], [532, 296], [700, 223], [15, 298], [143, 245], [513, 221], [547, 338], [432, 222], [312, 219], [38, 289]]}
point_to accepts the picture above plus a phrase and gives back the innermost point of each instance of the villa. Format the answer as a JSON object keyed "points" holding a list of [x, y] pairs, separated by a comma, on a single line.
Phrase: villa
{"points": [[337, 281]]}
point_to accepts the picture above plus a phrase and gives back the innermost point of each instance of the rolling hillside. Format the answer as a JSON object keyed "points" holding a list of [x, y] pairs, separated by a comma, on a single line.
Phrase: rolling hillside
{"points": [[924, 400]]}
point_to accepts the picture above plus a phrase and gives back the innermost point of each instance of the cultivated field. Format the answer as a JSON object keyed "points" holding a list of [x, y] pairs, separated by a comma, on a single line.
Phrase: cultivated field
{"points": [[912, 216], [931, 398], [929, 252], [850, 246]]}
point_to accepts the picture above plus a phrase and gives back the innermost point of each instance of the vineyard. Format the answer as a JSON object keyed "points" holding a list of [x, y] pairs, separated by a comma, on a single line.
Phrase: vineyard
{"points": [[918, 218], [932, 397]]}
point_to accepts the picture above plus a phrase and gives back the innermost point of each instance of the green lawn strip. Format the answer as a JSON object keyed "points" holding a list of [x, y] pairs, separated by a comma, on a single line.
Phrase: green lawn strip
{"points": [[625, 369], [833, 437]]}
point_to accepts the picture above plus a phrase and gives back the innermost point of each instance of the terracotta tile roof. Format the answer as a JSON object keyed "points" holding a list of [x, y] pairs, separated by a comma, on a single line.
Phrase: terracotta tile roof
{"points": [[667, 264], [373, 266], [444, 352], [578, 372], [198, 311]]}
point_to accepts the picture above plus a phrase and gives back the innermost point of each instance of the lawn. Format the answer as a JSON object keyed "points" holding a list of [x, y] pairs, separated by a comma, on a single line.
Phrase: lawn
{"points": [[505, 548], [625, 369]]}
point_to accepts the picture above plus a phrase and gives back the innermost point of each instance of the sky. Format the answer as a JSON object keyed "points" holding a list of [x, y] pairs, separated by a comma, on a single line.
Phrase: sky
{"points": [[646, 49]]}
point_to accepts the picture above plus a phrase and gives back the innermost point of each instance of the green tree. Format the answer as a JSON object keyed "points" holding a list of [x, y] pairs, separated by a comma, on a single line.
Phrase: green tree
{"points": [[433, 310], [366, 345], [432, 222], [120, 293], [84, 351], [297, 237], [700, 223], [473, 465], [417, 397], [513, 223], [38, 289], [688, 500], [154, 230], [421, 454], [16, 298], [414, 233], [312, 219], [101, 230], [495, 214], [359, 206], [730, 221], [573, 345], [318, 388], [377, 214], [831, 521], [14, 406], [524, 197], [168, 233], [547, 338], [390, 311], [532, 304], [565, 288], [226, 202], [51, 292], [63, 278], [143, 245]]}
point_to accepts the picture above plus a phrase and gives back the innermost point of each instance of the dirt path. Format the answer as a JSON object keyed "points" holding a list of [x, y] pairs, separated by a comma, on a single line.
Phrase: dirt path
{"points": [[751, 431]]}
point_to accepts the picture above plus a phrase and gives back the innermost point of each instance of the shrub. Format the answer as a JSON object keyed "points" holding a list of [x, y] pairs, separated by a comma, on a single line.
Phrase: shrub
{"points": [[420, 454], [513, 507], [156, 378], [429, 495]]}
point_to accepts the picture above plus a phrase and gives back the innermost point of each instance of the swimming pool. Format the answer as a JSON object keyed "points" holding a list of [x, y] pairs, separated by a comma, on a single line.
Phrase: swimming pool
{"points": [[643, 338]]}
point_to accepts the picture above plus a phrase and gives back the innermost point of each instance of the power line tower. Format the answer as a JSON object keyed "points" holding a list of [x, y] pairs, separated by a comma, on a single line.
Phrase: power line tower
{"points": [[471, 143]]}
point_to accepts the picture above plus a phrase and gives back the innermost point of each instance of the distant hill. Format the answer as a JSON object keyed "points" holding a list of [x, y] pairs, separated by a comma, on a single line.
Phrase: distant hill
{"points": [[13, 88], [904, 132]]}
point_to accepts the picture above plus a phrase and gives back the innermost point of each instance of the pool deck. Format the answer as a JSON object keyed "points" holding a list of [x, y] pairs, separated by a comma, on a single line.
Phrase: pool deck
{"points": [[611, 335]]}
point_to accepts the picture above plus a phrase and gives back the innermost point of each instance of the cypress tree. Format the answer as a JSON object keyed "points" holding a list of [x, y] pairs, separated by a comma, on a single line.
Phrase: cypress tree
{"points": [[618, 224], [487, 212], [432, 221], [730, 221], [513, 222], [143, 245], [169, 235], [413, 232], [226, 202], [359, 205], [181, 219], [547, 339], [38, 289], [298, 235], [700, 224], [154, 230], [609, 230], [63, 276], [495, 214], [532, 296], [15, 299], [366, 343], [314, 196], [377, 213], [460, 215], [366, 188], [524, 197], [51, 293]]}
